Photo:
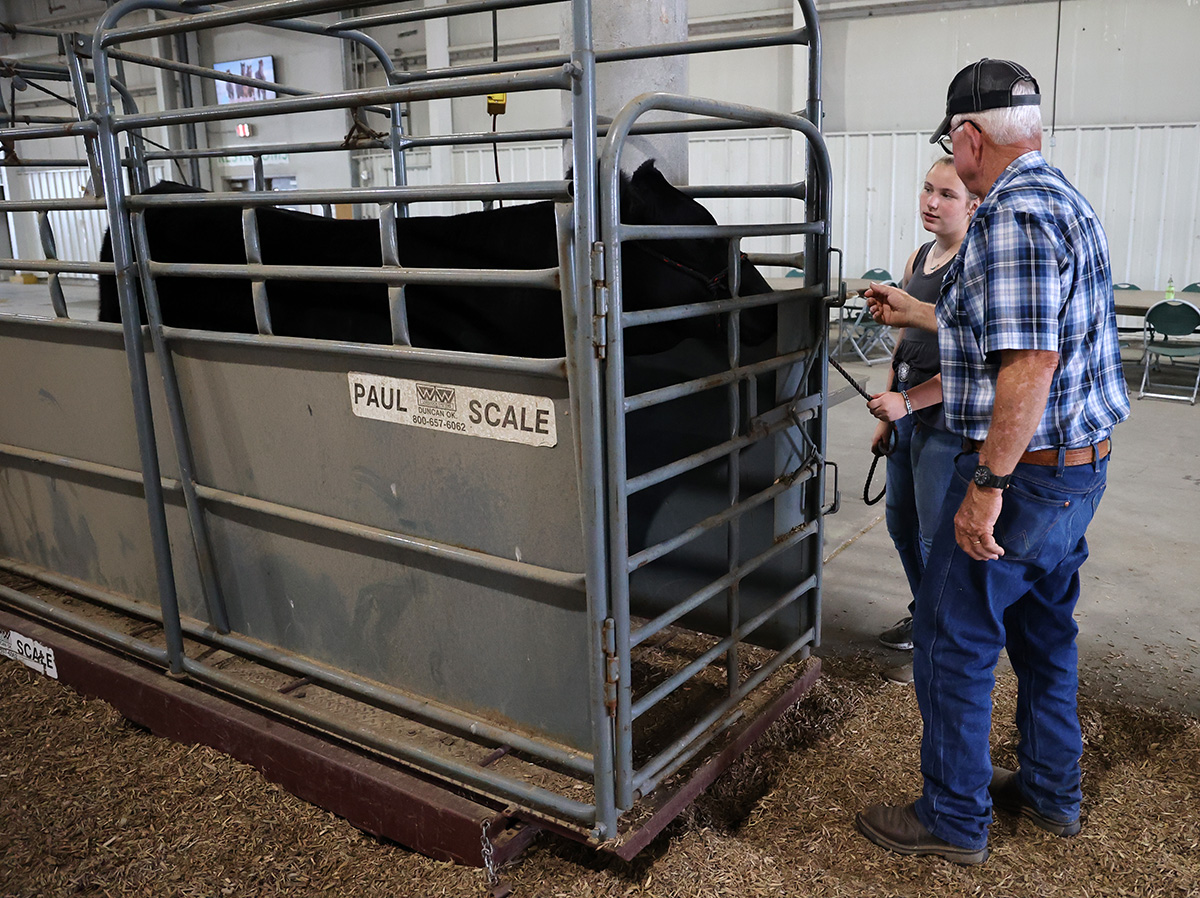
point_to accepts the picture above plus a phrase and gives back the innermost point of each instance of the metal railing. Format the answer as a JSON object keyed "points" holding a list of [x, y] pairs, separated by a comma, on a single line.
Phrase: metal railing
{"points": [[768, 441]]}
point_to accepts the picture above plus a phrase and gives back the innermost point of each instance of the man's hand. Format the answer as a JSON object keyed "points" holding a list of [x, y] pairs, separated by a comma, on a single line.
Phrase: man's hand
{"points": [[887, 406], [974, 521], [894, 307], [881, 442]]}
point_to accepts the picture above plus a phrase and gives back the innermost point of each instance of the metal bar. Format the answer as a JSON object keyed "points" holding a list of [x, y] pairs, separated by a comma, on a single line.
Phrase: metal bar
{"points": [[466, 87], [669, 685], [69, 128], [335, 680], [700, 309], [658, 550], [530, 190], [578, 242], [209, 583], [390, 254], [331, 146], [444, 11], [783, 191], [722, 232], [46, 233], [203, 72], [690, 387], [544, 278], [673, 126], [258, 287], [704, 45], [124, 264], [30, 162], [54, 265], [618, 495], [552, 369], [83, 109], [107, 635], [648, 778], [53, 205], [187, 98], [698, 598], [703, 457]]}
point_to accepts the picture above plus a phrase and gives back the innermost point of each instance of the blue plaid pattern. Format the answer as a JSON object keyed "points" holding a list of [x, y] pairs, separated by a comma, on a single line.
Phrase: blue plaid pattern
{"points": [[1033, 273]]}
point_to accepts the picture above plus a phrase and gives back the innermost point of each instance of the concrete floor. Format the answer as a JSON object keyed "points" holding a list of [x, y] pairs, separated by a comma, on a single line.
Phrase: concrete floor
{"points": [[1139, 613]]}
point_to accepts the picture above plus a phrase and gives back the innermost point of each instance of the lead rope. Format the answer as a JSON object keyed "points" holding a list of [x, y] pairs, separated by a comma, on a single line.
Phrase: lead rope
{"points": [[875, 461]]}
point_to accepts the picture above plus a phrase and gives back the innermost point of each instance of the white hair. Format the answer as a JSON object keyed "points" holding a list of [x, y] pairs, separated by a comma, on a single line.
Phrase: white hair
{"points": [[1008, 125]]}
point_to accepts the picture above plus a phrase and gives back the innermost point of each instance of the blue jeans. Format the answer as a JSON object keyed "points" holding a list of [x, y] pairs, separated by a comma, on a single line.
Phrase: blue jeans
{"points": [[967, 611], [919, 472]]}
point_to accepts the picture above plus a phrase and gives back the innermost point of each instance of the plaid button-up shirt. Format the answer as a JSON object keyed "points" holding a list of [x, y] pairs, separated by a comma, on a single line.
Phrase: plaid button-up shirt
{"points": [[1033, 273]]}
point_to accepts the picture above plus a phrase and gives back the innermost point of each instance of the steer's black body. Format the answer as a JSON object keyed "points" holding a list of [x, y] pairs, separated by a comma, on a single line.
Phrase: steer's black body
{"points": [[517, 321]]}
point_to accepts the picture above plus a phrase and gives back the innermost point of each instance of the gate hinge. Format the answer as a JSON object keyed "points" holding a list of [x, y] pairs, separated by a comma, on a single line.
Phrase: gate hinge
{"points": [[611, 672], [600, 313]]}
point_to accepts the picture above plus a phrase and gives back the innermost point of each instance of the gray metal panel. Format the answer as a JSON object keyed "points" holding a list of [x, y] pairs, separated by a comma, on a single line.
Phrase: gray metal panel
{"points": [[67, 395], [275, 425]]}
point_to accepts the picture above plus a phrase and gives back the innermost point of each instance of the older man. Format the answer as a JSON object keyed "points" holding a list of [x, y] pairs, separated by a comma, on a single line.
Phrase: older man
{"points": [[1032, 381]]}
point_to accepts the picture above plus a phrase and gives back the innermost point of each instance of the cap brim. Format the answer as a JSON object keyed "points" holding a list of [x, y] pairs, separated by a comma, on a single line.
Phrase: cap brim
{"points": [[943, 129]]}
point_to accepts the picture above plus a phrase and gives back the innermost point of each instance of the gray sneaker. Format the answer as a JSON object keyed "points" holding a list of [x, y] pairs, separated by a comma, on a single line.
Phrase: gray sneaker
{"points": [[898, 637]]}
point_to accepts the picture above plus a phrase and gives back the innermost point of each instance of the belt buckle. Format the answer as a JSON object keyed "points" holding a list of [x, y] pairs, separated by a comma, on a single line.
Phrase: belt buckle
{"points": [[903, 370]]}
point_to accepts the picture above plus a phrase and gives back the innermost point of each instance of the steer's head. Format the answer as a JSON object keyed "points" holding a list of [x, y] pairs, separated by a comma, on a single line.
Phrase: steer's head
{"points": [[678, 271]]}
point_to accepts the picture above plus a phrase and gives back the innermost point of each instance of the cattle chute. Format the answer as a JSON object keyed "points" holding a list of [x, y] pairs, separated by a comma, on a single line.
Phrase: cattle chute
{"points": [[556, 588]]}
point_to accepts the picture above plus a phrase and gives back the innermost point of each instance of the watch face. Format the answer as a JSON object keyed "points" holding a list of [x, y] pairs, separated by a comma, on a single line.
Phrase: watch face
{"points": [[983, 475]]}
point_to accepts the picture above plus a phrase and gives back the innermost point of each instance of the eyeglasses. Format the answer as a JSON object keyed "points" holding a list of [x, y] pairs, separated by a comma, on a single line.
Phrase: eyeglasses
{"points": [[947, 144]]}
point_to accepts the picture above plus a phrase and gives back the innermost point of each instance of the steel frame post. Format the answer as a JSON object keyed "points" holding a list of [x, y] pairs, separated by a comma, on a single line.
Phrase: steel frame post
{"points": [[125, 265]]}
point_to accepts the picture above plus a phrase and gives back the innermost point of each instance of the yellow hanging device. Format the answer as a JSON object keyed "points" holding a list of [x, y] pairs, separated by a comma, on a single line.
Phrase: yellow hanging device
{"points": [[496, 103]]}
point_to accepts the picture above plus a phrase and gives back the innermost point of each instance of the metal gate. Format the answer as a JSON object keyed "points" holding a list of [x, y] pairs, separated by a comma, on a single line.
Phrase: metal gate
{"points": [[555, 626]]}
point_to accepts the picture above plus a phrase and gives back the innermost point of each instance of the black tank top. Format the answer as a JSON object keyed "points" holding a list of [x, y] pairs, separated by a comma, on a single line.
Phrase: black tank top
{"points": [[919, 348]]}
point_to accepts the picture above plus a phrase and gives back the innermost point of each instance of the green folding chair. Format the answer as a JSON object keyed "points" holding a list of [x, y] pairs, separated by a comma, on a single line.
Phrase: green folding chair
{"points": [[858, 331], [1171, 318]]}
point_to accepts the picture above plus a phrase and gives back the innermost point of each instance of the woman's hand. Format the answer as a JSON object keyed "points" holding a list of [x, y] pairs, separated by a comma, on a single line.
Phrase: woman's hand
{"points": [[887, 406], [881, 442]]}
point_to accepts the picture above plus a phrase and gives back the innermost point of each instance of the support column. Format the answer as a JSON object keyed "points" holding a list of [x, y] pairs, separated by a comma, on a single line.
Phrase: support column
{"points": [[635, 23], [441, 119]]}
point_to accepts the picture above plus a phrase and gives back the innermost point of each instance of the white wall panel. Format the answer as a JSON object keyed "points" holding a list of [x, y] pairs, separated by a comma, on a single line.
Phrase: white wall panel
{"points": [[78, 234], [1143, 181]]}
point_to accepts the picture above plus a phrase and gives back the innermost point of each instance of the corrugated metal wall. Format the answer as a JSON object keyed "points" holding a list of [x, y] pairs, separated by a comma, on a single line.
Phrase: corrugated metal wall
{"points": [[1143, 180]]}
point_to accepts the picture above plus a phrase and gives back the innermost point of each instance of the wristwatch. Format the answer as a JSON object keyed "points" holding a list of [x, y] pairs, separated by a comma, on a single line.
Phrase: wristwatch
{"points": [[984, 478]]}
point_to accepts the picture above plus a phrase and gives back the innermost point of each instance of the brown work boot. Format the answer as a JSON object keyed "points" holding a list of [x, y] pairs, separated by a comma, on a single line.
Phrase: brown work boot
{"points": [[1007, 796], [899, 830]]}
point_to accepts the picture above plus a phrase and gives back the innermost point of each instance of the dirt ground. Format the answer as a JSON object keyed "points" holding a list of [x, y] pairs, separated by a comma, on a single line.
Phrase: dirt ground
{"points": [[90, 804]]}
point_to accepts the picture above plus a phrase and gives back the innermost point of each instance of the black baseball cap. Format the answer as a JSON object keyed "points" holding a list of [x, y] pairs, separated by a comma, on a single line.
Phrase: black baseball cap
{"points": [[986, 84]]}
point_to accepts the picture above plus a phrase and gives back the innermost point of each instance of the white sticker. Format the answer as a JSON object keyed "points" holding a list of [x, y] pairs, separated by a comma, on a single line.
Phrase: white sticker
{"points": [[29, 652], [491, 414]]}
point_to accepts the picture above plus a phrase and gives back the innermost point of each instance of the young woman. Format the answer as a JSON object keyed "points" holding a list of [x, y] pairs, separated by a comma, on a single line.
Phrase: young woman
{"points": [[921, 462]]}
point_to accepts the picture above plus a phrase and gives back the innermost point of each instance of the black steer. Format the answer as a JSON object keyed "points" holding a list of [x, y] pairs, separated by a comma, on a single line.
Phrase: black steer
{"points": [[516, 321]]}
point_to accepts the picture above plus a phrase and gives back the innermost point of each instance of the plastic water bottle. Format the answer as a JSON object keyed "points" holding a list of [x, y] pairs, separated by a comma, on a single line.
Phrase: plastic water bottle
{"points": [[1170, 288]]}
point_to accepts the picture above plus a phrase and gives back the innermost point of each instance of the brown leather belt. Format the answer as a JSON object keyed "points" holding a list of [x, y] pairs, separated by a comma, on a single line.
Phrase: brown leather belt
{"points": [[1049, 457]]}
